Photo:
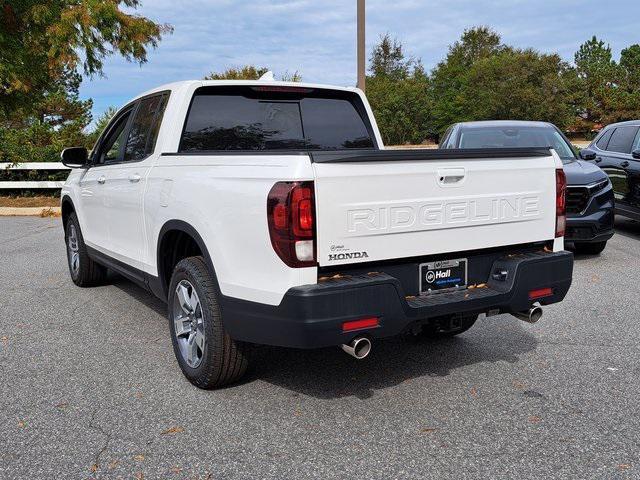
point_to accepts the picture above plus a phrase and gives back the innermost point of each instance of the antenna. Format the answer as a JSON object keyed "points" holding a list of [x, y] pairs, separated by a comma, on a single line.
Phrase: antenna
{"points": [[267, 77]]}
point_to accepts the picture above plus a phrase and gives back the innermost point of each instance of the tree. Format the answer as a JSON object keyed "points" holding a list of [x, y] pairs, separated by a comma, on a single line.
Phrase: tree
{"points": [[474, 44], [450, 76], [516, 84], [101, 123], [483, 79], [250, 72], [627, 105], [45, 47], [42, 41], [597, 74], [630, 64], [388, 59], [397, 90]]}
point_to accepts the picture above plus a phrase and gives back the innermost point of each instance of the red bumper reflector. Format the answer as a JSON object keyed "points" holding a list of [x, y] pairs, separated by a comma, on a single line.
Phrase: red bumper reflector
{"points": [[540, 293], [360, 324]]}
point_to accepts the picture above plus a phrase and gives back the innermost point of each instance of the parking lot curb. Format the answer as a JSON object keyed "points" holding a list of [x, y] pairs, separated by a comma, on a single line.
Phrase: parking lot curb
{"points": [[30, 211]]}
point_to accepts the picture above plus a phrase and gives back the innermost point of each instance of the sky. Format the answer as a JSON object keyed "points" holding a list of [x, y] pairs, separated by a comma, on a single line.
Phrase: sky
{"points": [[318, 38]]}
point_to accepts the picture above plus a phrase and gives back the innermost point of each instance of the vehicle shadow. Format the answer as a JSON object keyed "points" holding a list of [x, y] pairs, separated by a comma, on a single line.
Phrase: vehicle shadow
{"points": [[137, 293], [330, 373], [627, 227]]}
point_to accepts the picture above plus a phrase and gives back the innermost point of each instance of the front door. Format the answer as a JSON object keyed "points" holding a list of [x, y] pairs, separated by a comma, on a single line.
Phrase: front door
{"points": [[126, 182], [93, 185]]}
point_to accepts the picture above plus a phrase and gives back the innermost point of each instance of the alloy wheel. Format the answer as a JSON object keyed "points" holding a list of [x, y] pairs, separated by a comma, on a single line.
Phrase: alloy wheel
{"points": [[189, 323]]}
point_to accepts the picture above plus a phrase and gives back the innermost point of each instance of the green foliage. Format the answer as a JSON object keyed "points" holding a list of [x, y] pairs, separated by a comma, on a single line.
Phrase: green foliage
{"points": [[596, 82], [482, 79], [42, 40], [45, 46], [398, 91], [291, 77], [388, 60], [250, 72], [100, 124]]}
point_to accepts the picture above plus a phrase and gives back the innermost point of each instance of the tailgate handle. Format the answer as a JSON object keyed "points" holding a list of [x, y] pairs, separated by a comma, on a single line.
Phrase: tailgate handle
{"points": [[451, 176]]}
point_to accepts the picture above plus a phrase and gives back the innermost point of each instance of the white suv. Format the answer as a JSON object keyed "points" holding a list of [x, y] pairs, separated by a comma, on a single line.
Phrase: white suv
{"points": [[269, 212]]}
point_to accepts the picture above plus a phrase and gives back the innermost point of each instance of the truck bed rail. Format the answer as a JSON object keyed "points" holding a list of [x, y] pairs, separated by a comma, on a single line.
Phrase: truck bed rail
{"points": [[420, 155]]}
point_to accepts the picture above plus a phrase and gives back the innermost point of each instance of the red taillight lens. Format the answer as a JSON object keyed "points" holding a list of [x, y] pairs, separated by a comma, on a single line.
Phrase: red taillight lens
{"points": [[291, 218], [561, 202], [540, 293], [363, 323]]}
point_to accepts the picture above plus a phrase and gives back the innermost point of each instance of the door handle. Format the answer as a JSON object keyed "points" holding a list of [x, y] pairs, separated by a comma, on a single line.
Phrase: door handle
{"points": [[102, 179], [624, 164], [451, 176], [134, 178]]}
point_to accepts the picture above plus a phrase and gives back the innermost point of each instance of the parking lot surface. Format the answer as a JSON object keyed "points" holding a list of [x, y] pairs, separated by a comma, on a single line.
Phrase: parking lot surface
{"points": [[89, 387]]}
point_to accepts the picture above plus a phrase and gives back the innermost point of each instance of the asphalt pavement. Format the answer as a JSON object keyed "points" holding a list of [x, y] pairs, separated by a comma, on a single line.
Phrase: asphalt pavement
{"points": [[89, 387]]}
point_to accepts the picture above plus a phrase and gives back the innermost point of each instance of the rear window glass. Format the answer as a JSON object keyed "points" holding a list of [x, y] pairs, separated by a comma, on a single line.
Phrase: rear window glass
{"points": [[622, 139], [264, 118], [515, 136]]}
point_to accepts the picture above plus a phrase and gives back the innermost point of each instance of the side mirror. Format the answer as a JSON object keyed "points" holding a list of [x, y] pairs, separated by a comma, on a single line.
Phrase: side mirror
{"points": [[636, 154], [75, 157], [587, 154]]}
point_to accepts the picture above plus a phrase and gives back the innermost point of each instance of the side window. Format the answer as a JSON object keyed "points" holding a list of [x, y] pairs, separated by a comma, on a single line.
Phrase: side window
{"points": [[622, 139], [445, 138], [144, 129], [603, 141], [110, 147], [636, 143]]}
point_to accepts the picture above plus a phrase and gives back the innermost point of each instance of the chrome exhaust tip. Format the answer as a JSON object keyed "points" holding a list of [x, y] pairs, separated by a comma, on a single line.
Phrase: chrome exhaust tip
{"points": [[358, 348], [530, 316]]}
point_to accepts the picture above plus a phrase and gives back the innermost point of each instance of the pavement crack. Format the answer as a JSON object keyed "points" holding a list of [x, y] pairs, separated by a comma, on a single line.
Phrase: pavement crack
{"points": [[93, 425]]}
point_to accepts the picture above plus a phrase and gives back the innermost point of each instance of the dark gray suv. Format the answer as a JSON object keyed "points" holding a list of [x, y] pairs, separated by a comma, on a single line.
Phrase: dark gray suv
{"points": [[590, 201], [616, 150]]}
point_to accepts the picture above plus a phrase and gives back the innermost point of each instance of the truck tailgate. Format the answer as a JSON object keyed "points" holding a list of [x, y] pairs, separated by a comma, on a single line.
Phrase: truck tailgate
{"points": [[393, 204]]}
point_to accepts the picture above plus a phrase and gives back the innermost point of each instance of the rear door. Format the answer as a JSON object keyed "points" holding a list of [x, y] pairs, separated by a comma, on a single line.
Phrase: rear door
{"points": [[616, 160], [633, 176], [126, 180], [372, 211]]}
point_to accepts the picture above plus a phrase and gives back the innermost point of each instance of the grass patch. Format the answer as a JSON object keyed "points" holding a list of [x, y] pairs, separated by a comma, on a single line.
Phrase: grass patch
{"points": [[39, 201]]}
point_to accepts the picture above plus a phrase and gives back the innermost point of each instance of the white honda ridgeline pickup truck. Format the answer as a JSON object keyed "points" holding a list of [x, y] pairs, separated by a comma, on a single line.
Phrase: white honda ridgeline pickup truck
{"points": [[270, 213]]}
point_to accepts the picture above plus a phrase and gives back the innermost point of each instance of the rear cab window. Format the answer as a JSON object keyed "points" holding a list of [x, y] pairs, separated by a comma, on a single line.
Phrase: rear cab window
{"points": [[255, 118]]}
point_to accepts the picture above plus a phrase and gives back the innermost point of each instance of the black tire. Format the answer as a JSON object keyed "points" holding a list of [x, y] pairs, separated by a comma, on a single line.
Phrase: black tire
{"points": [[220, 360], [83, 270], [448, 327], [593, 248]]}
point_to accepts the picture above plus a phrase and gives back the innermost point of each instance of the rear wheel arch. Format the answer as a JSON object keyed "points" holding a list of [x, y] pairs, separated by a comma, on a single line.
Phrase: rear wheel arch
{"points": [[178, 240]]}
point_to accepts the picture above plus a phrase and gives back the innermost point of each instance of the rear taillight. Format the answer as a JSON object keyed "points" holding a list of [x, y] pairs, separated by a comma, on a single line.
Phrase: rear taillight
{"points": [[291, 218], [561, 202]]}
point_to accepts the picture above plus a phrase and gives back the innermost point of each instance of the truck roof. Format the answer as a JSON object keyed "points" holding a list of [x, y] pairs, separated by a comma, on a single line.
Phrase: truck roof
{"points": [[262, 83]]}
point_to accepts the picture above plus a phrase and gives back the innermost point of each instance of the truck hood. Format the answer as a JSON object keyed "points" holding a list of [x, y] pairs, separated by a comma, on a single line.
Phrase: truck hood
{"points": [[579, 172]]}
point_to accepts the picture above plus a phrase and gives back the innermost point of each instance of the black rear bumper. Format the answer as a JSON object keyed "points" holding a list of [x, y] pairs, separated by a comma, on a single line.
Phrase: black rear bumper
{"points": [[311, 316]]}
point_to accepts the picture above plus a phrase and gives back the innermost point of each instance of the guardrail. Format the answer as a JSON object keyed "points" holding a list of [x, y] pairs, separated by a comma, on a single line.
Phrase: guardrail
{"points": [[32, 184]]}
